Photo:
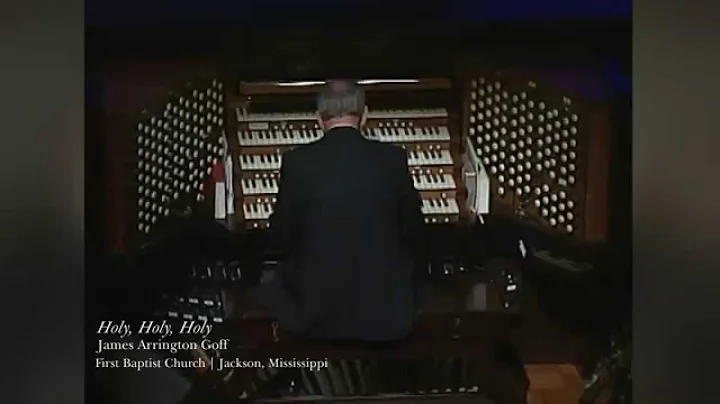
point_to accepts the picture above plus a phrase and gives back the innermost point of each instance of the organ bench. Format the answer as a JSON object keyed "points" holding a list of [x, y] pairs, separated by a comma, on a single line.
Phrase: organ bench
{"points": [[456, 349]]}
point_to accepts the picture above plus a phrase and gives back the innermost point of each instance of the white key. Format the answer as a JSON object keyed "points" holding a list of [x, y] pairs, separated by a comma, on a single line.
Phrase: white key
{"points": [[429, 181], [249, 211], [449, 180], [377, 134], [427, 157], [453, 207], [245, 186], [266, 210], [416, 183], [403, 135], [431, 209], [390, 135], [426, 207], [415, 158]]}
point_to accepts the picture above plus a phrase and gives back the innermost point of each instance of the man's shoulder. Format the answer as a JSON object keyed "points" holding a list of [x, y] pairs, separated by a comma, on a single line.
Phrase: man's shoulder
{"points": [[301, 156], [389, 150], [294, 153], [378, 150]]}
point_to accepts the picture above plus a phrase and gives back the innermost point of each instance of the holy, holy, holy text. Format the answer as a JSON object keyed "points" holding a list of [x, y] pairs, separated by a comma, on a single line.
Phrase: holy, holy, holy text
{"points": [[162, 329]]}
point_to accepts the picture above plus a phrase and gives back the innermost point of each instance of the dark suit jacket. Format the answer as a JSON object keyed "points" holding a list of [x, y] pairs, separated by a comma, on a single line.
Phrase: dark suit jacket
{"points": [[350, 221]]}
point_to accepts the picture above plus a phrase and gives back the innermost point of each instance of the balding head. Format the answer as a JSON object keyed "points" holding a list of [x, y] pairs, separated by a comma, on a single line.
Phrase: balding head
{"points": [[341, 103]]}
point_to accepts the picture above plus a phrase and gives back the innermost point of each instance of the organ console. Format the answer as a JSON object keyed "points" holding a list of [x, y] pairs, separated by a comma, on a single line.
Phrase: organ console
{"points": [[493, 143], [424, 131], [541, 156]]}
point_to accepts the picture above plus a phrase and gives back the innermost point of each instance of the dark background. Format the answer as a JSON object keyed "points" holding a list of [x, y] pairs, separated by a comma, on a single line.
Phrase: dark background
{"points": [[120, 13], [675, 141], [601, 26]]}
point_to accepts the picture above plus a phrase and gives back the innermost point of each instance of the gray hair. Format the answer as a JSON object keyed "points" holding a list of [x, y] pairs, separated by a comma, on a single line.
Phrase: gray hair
{"points": [[341, 98]]}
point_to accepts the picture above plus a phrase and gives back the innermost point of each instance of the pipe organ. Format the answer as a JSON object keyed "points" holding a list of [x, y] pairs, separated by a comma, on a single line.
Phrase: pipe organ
{"points": [[545, 151], [491, 143]]}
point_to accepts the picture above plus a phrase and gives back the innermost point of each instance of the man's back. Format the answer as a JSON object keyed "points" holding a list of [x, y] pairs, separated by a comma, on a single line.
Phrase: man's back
{"points": [[349, 217]]}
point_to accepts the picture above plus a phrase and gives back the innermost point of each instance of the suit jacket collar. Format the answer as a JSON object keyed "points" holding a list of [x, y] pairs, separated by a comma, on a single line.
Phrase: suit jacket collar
{"points": [[343, 133]]}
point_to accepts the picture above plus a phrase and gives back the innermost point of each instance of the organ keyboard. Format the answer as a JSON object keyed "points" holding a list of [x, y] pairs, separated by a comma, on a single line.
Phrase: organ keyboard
{"points": [[401, 132], [259, 186], [260, 209], [265, 133], [440, 206], [260, 162], [263, 136], [272, 162], [430, 157], [431, 181]]}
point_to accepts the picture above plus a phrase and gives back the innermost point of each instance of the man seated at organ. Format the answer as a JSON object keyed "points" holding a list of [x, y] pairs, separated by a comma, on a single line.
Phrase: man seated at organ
{"points": [[349, 220]]}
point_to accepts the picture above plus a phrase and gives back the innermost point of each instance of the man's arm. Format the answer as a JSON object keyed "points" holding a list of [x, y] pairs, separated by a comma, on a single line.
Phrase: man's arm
{"points": [[284, 220], [412, 224]]}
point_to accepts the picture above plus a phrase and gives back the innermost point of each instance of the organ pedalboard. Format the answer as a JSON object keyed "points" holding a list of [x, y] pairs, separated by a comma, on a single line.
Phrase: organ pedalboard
{"points": [[423, 133]]}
